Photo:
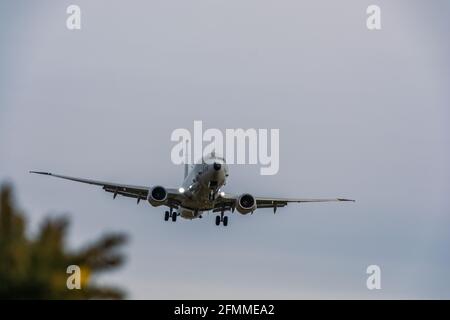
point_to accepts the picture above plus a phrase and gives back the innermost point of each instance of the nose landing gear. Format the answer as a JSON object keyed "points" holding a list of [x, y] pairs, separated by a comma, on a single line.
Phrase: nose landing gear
{"points": [[212, 195]]}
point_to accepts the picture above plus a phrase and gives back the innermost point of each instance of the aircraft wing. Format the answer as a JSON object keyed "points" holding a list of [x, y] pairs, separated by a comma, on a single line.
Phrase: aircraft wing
{"points": [[264, 202], [138, 192], [228, 201]]}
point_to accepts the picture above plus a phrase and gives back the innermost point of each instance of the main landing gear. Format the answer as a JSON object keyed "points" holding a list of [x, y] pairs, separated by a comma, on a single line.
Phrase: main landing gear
{"points": [[170, 214], [223, 219]]}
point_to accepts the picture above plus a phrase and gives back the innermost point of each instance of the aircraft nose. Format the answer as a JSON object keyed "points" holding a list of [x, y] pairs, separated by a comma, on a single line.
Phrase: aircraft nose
{"points": [[217, 166]]}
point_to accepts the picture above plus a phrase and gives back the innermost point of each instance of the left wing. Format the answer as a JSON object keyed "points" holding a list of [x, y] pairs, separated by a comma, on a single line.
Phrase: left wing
{"points": [[228, 201], [281, 202]]}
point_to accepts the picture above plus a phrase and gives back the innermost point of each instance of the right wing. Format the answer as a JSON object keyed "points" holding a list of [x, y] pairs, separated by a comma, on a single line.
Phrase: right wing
{"points": [[138, 192]]}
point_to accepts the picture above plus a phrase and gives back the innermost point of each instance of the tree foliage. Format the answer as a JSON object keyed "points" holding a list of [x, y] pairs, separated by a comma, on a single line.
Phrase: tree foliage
{"points": [[35, 267]]}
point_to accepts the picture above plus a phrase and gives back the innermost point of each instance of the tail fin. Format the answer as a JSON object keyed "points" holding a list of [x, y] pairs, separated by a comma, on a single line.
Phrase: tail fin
{"points": [[186, 170], [186, 160]]}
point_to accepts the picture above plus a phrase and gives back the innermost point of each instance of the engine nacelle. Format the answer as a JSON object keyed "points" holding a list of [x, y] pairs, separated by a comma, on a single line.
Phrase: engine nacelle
{"points": [[157, 196], [245, 203]]}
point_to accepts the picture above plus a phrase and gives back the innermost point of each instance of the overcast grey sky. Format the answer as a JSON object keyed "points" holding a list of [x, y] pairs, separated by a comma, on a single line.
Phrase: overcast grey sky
{"points": [[362, 114]]}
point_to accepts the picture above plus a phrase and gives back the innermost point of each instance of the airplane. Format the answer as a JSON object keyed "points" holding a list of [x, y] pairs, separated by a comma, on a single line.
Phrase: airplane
{"points": [[200, 192]]}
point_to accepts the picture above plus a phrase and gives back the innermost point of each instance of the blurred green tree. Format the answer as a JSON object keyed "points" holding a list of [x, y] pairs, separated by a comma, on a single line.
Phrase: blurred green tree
{"points": [[36, 268]]}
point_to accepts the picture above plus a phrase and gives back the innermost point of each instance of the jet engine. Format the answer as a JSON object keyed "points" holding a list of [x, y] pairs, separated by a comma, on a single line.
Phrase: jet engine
{"points": [[245, 203], [157, 196]]}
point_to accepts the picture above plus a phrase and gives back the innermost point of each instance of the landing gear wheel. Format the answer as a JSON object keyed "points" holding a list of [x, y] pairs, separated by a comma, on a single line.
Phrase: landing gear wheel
{"points": [[174, 216], [166, 216], [217, 220], [225, 221]]}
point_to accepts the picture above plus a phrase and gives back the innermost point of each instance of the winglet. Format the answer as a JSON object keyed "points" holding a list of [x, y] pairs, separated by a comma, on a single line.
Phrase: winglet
{"points": [[340, 199], [41, 172]]}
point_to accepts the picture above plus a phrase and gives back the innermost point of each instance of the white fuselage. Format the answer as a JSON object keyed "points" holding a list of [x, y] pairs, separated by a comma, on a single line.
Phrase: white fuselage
{"points": [[201, 186]]}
